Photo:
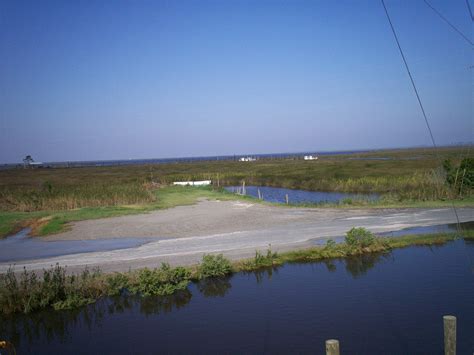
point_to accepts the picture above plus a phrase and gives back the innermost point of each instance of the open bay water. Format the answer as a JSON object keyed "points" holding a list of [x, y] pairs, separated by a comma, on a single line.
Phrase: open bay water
{"points": [[374, 304]]}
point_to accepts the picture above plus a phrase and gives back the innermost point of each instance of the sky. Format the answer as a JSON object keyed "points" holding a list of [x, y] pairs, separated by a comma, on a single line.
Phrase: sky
{"points": [[99, 80]]}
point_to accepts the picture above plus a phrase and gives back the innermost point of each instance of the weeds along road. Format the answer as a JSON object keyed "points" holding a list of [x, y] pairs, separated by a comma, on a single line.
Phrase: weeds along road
{"points": [[233, 228]]}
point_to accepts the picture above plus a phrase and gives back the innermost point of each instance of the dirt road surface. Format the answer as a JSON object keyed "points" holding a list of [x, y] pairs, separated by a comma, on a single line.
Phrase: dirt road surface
{"points": [[233, 228]]}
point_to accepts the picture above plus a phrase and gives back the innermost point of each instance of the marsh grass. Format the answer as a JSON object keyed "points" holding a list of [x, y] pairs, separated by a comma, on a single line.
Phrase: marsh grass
{"points": [[27, 199], [407, 175], [409, 178]]}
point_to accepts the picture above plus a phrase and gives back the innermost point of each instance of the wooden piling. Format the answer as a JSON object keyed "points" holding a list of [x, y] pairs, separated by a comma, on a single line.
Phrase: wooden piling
{"points": [[243, 188], [259, 194], [332, 347], [449, 323], [286, 197]]}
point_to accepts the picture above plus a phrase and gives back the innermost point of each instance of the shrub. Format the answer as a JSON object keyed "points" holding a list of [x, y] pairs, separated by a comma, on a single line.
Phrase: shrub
{"points": [[161, 282], [261, 261], [27, 293], [359, 237], [116, 283], [214, 266]]}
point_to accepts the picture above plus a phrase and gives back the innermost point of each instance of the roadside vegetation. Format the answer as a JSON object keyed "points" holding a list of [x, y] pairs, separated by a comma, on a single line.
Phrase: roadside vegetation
{"points": [[28, 292], [46, 200]]}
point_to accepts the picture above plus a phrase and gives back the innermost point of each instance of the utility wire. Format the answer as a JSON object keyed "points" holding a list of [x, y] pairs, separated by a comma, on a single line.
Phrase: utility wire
{"points": [[417, 96], [470, 10], [449, 23]]}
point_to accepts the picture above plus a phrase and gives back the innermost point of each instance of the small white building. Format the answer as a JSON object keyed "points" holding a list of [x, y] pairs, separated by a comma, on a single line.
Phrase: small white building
{"points": [[247, 159], [310, 157], [192, 183]]}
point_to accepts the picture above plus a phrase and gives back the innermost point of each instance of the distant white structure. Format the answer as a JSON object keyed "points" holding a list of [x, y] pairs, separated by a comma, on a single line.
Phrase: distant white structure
{"points": [[247, 159], [310, 157], [192, 183]]}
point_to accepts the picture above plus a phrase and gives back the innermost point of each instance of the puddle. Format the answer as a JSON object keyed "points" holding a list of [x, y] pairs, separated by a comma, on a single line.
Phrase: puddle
{"points": [[22, 247]]}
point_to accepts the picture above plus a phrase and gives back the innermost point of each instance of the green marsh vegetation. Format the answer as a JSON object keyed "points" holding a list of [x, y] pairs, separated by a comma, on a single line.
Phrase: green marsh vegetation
{"points": [[47, 199], [55, 289]]}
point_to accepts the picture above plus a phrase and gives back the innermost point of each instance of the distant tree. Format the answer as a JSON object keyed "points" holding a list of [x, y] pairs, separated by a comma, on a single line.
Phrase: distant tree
{"points": [[27, 160]]}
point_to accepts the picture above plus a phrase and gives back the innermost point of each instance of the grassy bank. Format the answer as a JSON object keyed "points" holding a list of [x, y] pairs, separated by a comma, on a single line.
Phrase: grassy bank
{"points": [[27, 293]]}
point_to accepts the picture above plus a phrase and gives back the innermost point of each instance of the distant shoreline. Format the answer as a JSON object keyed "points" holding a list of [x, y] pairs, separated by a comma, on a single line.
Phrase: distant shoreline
{"points": [[288, 155]]}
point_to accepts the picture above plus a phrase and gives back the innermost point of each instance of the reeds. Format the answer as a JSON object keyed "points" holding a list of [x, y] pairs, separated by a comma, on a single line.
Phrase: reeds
{"points": [[60, 198]]}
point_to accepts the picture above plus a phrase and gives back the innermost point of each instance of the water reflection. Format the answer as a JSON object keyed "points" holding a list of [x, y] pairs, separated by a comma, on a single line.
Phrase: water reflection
{"points": [[360, 265], [166, 304], [218, 287], [59, 326], [56, 326], [48, 326]]}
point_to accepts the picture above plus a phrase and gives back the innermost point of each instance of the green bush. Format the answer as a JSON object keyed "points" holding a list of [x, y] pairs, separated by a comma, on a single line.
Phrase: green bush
{"points": [[261, 261], [359, 237], [27, 293], [161, 282], [214, 266], [116, 283]]}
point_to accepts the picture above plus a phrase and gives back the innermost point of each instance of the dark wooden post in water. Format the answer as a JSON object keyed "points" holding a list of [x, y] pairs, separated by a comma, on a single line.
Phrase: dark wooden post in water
{"points": [[449, 323], [286, 197], [332, 347]]}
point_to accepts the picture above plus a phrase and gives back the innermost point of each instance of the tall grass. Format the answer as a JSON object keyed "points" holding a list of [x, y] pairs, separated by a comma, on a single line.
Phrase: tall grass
{"points": [[407, 175], [52, 197]]}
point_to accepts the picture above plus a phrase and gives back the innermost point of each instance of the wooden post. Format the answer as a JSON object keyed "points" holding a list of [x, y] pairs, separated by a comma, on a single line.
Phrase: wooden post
{"points": [[449, 323], [462, 182], [332, 347], [286, 196], [259, 194], [243, 188]]}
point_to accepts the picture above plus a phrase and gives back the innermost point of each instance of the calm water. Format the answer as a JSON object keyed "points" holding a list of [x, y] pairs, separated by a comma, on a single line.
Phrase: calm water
{"points": [[390, 304], [277, 194]]}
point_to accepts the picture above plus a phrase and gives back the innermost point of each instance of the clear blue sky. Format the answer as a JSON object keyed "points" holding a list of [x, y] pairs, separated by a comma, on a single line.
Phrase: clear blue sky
{"points": [[86, 80]]}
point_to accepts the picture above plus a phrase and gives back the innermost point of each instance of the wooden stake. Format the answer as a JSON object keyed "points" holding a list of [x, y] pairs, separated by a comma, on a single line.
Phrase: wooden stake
{"points": [[332, 347], [449, 323]]}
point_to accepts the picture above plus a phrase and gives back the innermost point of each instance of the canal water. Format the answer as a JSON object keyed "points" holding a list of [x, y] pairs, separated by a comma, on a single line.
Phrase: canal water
{"points": [[278, 195], [374, 304]]}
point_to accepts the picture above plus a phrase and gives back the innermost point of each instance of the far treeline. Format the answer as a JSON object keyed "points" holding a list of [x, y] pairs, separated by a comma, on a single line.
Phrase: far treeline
{"points": [[399, 175]]}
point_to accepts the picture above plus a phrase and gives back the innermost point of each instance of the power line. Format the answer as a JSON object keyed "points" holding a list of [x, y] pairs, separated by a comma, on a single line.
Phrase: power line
{"points": [[449, 23], [469, 8], [409, 74], [417, 96]]}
